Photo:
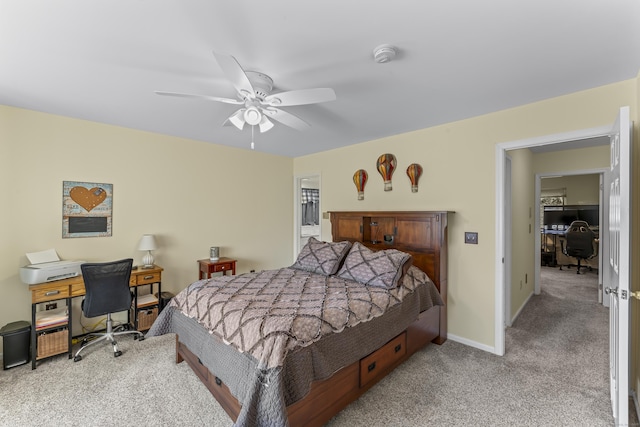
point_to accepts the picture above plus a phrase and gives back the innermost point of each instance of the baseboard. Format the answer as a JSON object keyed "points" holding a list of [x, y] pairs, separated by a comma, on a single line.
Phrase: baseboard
{"points": [[471, 343]]}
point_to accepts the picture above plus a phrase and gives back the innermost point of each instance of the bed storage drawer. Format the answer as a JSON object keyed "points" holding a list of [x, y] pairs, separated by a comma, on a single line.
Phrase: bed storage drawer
{"points": [[376, 363], [195, 363], [215, 385]]}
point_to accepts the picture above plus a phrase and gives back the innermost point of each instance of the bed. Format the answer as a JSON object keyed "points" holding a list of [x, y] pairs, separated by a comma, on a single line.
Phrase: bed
{"points": [[294, 346]]}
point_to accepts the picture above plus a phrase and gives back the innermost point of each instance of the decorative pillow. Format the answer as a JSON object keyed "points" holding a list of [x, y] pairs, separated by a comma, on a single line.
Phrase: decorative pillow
{"points": [[321, 257], [383, 268]]}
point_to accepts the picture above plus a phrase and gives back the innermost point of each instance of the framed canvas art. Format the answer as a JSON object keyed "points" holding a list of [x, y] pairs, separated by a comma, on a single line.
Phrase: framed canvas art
{"points": [[86, 209]]}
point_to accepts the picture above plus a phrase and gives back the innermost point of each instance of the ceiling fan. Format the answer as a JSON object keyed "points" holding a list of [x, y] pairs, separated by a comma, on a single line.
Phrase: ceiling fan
{"points": [[259, 105]]}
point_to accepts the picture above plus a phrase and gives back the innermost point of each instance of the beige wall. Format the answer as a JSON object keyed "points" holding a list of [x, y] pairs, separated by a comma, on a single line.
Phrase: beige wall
{"points": [[191, 195], [459, 175], [178, 178], [580, 189], [553, 163], [522, 228]]}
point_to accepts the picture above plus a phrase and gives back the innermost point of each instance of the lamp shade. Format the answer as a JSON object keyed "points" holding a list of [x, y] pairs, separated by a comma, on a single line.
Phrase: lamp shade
{"points": [[147, 243]]}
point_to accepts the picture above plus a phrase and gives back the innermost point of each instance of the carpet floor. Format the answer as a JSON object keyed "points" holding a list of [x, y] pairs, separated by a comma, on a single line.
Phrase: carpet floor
{"points": [[554, 373]]}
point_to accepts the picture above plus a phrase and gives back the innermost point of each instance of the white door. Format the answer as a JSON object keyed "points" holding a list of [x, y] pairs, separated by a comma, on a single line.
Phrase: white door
{"points": [[619, 268], [603, 249]]}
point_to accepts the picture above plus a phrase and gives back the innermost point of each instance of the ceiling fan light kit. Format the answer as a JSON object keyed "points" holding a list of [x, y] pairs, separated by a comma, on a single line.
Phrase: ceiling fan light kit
{"points": [[253, 90], [252, 116], [384, 53]]}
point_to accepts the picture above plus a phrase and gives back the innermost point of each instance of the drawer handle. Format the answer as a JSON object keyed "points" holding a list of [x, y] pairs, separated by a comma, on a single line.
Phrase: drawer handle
{"points": [[398, 348], [218, 381], [49, 293], [371, 367], [148, 277]]}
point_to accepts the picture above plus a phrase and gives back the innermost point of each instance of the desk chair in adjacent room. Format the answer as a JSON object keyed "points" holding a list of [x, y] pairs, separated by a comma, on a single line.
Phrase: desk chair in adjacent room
{"points": [[107, 291], [580, 240]]}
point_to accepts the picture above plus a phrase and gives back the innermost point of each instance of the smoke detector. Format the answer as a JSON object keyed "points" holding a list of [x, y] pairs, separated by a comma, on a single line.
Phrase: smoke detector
{"points": [[384, 53]]}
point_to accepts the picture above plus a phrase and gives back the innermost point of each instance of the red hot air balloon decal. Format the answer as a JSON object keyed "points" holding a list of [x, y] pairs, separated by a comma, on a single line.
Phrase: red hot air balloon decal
{"points": [[360, 180], [414, 172], [386, 164]]}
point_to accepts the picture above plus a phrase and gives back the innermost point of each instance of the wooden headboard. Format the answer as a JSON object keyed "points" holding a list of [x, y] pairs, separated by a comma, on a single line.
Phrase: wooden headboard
{"points": [[422, 234]]}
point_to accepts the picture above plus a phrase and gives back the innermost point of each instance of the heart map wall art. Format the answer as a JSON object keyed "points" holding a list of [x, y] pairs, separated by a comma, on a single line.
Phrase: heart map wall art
{"points": [[86, 209]]}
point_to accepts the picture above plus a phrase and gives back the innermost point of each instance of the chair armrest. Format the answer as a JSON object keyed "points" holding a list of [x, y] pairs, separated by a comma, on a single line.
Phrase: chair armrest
{"points": [[596, 247]]}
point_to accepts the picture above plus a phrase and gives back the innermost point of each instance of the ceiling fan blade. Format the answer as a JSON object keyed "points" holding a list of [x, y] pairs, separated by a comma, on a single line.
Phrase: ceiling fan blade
{"points": [[207, 97], [286, 118], [300, 97], [234, 72]]}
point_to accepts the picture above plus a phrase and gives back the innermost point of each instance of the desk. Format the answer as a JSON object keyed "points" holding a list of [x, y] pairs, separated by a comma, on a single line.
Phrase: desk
{"points": [[221, 265], [67, 289], [548, 250]]}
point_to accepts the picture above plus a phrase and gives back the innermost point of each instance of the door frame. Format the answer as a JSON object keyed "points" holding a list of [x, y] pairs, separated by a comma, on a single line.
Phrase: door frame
{"points": [[502, 257], [508, 242], [538, 238]]}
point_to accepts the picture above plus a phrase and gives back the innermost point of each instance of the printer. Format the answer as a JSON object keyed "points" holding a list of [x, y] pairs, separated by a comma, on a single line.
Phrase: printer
{"points": [[49, 271]]}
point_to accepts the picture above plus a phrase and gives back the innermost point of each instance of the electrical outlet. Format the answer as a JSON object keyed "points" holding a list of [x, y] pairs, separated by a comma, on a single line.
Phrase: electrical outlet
{"points": [[471, 237]]}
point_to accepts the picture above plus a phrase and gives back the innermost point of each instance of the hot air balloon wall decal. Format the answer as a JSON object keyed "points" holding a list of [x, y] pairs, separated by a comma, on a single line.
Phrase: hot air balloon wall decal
{"points": [[414, 172], [386, 165], [360, 180]]}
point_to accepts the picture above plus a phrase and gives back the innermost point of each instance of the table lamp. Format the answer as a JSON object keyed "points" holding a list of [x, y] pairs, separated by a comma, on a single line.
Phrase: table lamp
{"points": [[147, 243]]}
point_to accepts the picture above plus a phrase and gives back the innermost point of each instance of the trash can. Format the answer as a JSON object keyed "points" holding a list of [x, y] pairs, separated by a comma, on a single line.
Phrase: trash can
{"points": [[15, 343], [164, 299]]}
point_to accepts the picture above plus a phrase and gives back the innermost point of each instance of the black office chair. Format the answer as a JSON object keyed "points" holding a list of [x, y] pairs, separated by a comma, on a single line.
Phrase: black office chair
{"points": [[107, 291], [580, 243]]}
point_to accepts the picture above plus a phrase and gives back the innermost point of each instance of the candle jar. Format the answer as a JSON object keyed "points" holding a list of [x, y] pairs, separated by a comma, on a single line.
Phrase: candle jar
{"points": [[214, 253]]}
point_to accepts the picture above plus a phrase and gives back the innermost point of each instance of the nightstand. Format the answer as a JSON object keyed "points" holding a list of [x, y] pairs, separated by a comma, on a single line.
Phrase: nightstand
{"points": [[206, 267]]}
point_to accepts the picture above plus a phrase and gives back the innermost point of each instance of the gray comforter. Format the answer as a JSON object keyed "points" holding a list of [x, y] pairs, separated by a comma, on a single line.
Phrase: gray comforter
{"points": [[268, 335]]}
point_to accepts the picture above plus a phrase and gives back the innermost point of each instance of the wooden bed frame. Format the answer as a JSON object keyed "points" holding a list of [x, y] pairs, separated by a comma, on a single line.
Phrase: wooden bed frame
{"points": [[424, 236]]}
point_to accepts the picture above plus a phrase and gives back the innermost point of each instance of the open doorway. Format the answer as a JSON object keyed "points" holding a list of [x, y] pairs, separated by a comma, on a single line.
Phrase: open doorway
{"points": [[562, 199], [569, 140], [616, 231], [306, 211]]}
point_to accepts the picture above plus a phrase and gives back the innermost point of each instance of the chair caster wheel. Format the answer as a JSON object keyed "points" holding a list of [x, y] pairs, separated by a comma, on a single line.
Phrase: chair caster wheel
{"points": [[117, 353], [140, 337], [77, 358]]}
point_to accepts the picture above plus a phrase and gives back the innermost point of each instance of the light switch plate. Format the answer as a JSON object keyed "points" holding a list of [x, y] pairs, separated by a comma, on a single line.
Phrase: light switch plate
{"points": [[471, 237]]}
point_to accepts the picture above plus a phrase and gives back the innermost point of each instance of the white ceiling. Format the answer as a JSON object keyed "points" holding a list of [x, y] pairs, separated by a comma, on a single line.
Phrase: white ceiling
{"points": [[102, 60]]}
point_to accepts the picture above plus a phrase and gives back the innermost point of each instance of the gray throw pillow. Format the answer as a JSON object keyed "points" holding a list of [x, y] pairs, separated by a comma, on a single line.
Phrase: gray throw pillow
{"points": [[321, 257], [382, 268]]}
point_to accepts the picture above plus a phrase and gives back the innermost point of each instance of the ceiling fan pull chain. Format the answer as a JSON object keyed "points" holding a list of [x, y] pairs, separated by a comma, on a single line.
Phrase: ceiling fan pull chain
{"points": [[252, 144]]}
